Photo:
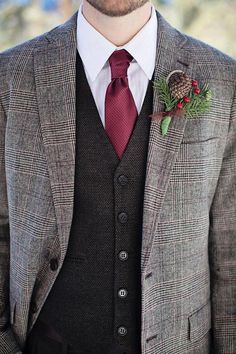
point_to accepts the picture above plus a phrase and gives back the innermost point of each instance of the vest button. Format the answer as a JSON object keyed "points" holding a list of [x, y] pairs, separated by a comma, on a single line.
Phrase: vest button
{"points": [[123, 217], [54, 264], [122, 293], [122, 331], [123, 180], [123, 255]]}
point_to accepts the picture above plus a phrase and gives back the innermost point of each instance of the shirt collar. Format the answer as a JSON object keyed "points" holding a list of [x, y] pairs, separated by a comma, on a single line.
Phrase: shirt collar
{"points": [[95, 49]]}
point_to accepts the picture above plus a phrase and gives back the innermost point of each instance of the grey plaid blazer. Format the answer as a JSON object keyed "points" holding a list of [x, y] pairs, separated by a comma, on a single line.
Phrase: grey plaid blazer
{"points": [[188, 257]]}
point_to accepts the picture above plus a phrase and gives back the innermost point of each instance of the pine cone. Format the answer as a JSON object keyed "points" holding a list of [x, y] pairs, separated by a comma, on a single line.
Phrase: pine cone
{"points": [[180, 84]]}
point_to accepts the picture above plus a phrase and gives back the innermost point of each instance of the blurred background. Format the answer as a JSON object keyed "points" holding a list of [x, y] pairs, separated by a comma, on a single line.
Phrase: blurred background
{"points": [[212, 21]]}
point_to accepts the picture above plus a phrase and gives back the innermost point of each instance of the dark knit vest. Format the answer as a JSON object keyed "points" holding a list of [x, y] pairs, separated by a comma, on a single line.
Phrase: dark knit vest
{"points": [[95, 302]]}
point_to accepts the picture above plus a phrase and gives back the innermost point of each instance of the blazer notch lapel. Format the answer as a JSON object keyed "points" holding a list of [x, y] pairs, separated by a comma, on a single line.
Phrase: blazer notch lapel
{"points": [[55, 71], [162, 150]]}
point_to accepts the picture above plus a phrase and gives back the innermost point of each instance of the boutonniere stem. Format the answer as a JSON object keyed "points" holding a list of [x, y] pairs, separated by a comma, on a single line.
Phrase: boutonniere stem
{"points": [[182, 97]]}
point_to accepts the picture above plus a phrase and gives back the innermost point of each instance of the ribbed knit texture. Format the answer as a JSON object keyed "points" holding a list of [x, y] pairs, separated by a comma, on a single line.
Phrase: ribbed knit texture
{"points": [[83, 304]]}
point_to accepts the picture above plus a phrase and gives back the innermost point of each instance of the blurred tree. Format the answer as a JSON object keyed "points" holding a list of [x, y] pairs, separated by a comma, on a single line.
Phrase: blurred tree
{"points": [[11, 24], [21, 2], [50, 5], [66, 8], [212, 21], [19, 23]]}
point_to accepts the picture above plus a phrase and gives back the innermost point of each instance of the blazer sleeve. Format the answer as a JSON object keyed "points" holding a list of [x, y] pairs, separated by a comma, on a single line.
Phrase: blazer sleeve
{"points": [[8, 344], [222, 249]]}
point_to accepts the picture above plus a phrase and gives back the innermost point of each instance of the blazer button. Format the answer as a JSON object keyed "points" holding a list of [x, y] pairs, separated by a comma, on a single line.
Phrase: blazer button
{"points": [[54, 264], [123, 217]]}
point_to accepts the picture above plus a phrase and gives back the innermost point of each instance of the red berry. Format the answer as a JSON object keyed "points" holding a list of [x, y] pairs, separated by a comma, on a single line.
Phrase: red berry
{"points": [[194, 83], [197, 91], [179, 105], [186, 99]]}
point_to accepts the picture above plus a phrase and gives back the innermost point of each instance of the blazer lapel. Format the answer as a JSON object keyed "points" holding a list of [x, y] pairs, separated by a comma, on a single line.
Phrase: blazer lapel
{"points": [[162, 150], [55, 72]]}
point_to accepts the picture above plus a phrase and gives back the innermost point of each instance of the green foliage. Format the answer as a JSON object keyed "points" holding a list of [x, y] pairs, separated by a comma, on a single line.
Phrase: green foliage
{"points": [[200, 103], [165, 125], [164, 93]]}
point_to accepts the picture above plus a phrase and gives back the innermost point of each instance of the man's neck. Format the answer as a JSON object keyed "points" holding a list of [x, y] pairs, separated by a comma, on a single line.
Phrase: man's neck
{"points": [[118, 30]]}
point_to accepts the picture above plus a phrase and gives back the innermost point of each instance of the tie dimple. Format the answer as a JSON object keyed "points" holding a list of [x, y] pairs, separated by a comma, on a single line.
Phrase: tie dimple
{"points": [[120, 109], [119, 63]]}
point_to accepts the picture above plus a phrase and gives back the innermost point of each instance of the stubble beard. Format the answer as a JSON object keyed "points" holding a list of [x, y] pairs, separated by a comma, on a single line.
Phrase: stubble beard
{"points": [[115, 8]]}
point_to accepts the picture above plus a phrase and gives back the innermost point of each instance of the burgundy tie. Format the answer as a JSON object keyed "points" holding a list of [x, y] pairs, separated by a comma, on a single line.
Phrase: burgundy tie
{"points": [[120, 109]]}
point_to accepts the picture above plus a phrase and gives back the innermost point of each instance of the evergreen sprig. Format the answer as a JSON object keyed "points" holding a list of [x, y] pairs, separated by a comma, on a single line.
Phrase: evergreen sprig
{"points": [[165, 96], [199, 102]]}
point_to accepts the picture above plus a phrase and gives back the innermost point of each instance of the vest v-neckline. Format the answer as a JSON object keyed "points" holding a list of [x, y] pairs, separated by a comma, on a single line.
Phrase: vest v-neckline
{"points": [[101, 128]]}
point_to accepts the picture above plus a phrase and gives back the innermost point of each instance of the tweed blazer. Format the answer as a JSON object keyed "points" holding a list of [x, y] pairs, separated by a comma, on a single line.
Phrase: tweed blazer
{"points": [[188, 259]]}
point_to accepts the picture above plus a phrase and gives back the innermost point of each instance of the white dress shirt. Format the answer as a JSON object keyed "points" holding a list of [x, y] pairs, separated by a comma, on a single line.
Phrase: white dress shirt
{"points": [[94, 50]]}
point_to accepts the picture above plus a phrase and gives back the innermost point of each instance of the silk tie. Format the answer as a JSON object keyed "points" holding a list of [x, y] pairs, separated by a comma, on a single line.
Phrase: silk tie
{"points": [[120, 109]]}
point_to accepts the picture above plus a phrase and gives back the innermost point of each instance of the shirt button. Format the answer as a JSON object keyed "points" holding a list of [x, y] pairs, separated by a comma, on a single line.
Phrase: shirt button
{"points": [[54, 264], [122, 293], [122, 331], [123, 217], [123, 180], [123, 255]]}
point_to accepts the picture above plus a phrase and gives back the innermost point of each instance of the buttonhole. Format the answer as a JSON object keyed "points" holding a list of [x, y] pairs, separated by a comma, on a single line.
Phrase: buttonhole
{"points": [[78, 258], [152, 337], [148, 275], [184, 64]]}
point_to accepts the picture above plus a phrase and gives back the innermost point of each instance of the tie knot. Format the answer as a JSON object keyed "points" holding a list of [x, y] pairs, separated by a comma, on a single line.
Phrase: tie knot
{"points": [[119, 63]]}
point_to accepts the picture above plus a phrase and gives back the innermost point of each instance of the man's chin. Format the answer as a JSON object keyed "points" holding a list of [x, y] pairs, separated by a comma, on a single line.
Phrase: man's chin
{"points": [[116, 8]]}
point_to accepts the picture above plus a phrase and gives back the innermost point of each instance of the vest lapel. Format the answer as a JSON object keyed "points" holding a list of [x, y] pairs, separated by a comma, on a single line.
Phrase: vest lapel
{"points": [[162, 150], [110, 151]]}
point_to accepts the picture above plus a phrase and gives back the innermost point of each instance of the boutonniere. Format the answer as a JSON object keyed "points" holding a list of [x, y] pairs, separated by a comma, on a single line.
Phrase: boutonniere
{"points": [[181, 96]]}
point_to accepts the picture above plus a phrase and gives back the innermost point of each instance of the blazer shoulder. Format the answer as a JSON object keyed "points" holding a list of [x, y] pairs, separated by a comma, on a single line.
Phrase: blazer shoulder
{"points": [[24, 50], [206, 55], [208, 60], [20, 58], [61, 31]]}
